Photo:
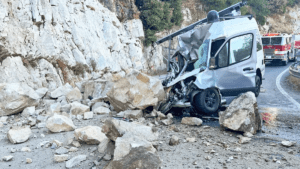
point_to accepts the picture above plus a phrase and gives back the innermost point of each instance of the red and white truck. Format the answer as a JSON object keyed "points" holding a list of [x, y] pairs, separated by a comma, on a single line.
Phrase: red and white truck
{"points": [[279, 47]]}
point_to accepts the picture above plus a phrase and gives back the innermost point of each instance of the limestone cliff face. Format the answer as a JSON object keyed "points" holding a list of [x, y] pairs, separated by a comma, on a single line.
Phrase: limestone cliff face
{"points": [[46, 43], [284, 23]]}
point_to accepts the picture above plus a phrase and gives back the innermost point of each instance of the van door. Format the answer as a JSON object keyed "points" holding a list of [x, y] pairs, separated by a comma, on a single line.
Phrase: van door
{"points": [[236, 68]]}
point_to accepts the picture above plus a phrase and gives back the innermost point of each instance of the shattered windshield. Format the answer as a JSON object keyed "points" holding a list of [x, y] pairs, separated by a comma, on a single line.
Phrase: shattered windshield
{"points": [[202, 53]]}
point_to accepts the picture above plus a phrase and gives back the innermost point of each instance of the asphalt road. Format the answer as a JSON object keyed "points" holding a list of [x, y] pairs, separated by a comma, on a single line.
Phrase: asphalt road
{"points": [[272, 96]]}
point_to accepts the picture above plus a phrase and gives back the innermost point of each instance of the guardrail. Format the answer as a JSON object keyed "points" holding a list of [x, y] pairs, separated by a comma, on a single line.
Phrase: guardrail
{"points": [[295, 70]]}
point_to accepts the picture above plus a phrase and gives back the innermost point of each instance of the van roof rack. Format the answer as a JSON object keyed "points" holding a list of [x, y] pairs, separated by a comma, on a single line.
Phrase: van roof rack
{"points": [[222, 14]]}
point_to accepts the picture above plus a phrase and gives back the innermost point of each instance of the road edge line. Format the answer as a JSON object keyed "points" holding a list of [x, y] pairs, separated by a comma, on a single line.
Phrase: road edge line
{"points": [[282, 91]]}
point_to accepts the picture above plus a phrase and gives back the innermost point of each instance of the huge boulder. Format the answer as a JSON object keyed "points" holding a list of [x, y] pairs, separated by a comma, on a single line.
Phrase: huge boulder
{"points": [[242, 114], [133, 152], [15, 97], [90, 135], [116, 128], [136, 91]]}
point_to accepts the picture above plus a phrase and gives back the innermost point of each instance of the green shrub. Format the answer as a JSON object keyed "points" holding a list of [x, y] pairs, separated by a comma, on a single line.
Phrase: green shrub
{"points": [[158, 16]]}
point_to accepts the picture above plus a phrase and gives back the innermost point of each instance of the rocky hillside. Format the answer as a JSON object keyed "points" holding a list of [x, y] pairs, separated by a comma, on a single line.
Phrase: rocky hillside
{"points": [[48, 43]]}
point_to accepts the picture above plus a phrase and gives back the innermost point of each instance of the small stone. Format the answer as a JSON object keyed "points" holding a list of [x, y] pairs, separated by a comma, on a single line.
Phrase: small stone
{"points": [[208, 158], [288, 143], [28, 160], [192, 121], [191, 140], [291, 152], [195, 163], [75, 161], [244, 140], [61, 150], [13, 150], [42, 135], [167, 122], [61, 158], [248, 134], [19, 134], [169, 116], [59, 123], [161, 115], [278, 162], [26, 149], [79, 117], [76, 144], [58, 143], [101, 110], [88, 115], [176, 129], [7, 158], [90, 134], [174, 141], [73, 149], [107, 157]]}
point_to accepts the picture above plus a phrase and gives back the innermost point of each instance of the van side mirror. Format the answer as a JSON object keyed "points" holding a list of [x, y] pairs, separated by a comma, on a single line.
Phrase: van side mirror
{"points": [[212, 63]]}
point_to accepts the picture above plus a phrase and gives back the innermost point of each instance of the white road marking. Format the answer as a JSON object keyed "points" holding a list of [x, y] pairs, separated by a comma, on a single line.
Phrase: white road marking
{"points": [[282, 90]]}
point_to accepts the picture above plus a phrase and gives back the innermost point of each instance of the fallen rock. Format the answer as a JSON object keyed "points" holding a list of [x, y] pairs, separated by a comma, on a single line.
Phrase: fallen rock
{"points": [[61, 158], [25, 149], [76, 144], [73, 149], [88, 115], [19, 134], [15, 97], [107, 157], [28, 111], [103, 146], [174, 141], [99, 104], [28, 160], [288, 143], [131, 114], [244, 140], [78, 108], [136, 91], [41, 92], [134, 152], [54, 108], [74, 95], [191, 140], [59, 123], [101, 110], [75, 161], [61, 150], [58, 143], [61, 91], [116, 128], [90, 135], [242, 114], [167, 122], [192, 121], [7, 158]]}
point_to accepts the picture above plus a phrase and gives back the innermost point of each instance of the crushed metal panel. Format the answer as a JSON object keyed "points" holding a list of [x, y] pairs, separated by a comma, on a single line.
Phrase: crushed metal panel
{"points": [[191, 41]]}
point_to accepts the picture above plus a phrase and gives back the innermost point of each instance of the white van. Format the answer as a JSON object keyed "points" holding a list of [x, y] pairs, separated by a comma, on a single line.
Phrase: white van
{"points": [[223, 57]]}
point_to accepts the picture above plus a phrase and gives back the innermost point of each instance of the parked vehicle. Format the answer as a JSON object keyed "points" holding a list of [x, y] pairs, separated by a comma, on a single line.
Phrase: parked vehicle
{"points": [[278, 48], [220, 57], [296, 40]]}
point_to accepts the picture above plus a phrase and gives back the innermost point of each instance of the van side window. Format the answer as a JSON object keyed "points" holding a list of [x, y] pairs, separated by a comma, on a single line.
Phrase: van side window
{"points": [[240, 48], [223, 56]]}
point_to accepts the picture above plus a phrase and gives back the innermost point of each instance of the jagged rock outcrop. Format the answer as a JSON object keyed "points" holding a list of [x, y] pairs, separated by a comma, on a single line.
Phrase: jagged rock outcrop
{"points": [[54, 42]]}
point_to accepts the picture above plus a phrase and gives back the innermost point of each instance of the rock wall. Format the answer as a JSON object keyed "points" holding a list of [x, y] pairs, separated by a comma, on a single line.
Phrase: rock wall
{"points": [[48, 43]]}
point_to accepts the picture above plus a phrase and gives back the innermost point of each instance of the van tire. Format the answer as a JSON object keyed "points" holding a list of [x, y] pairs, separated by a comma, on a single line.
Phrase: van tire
{"points": [[257, 85], [207, 101]]}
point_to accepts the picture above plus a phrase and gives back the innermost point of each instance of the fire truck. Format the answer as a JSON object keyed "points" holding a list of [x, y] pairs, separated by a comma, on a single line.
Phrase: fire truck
{"points": [[279, 47]]}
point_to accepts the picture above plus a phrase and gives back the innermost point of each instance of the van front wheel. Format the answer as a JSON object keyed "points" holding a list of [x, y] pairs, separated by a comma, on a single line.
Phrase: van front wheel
{"points": [[208, 101]]}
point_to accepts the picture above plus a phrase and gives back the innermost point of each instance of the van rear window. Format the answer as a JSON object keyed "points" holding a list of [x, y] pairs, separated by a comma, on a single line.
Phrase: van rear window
{"points": [[265, 41], [276, 41]]}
